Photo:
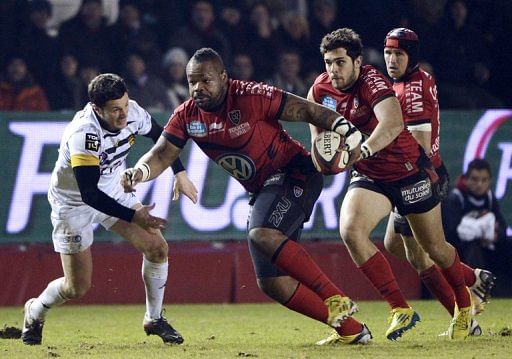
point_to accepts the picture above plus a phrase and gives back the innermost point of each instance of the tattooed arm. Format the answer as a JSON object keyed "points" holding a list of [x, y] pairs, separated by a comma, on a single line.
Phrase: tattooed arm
{"points": [[298, 109]]}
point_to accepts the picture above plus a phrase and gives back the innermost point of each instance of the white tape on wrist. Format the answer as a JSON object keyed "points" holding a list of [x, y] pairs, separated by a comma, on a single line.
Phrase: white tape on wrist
{"points": [[366, 151], [146, 171]]}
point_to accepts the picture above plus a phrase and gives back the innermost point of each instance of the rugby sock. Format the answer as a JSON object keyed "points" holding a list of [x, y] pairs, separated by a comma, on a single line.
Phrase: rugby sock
{"points": [[439, 287], [293, 259], [50, 297], [306, 302], [155, 279], [378, 271], [455, 277], [469, 274]]}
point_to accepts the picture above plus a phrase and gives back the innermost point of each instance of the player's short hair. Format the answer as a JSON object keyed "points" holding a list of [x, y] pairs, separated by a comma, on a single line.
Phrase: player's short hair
{"points": [[207, 54], [106, 87], [346, 38], [478, 164]]}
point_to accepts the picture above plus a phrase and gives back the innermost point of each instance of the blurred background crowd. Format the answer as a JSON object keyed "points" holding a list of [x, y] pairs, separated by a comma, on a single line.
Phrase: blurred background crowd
{"points": [[51, 49]]}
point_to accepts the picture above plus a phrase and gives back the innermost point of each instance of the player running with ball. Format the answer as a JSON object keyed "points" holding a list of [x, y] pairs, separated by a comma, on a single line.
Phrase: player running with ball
{"points": [[393, 171], [236, 124]]}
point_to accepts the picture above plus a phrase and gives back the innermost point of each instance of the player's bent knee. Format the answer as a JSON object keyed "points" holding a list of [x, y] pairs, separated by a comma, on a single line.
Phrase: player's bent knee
{"points": [[259, 236], [349, 234], [156, 251]]}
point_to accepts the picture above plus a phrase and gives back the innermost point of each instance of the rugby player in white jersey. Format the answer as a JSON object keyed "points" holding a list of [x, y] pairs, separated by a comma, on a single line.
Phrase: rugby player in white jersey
{"points": [[85, 190]]}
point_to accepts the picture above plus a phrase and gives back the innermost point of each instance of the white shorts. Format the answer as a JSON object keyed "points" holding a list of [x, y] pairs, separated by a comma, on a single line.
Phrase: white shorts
{"points": [[73, 226]]}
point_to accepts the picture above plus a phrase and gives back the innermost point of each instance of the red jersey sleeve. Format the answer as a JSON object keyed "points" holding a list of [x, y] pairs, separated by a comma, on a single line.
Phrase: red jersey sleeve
{"points": [[176, 129], [375, 87], [420, 100], [266, 100]]}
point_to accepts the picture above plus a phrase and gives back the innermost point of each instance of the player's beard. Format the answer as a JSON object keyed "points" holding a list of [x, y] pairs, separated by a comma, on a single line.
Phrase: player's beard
{"points": [[348, 83]]}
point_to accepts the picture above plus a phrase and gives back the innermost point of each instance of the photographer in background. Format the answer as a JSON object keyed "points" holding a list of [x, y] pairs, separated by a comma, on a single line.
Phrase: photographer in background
{"points": [[472, 217]]}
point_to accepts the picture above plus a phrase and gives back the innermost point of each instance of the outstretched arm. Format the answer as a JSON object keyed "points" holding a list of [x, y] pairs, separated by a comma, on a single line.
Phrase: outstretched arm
{"points": [[151, 165]]}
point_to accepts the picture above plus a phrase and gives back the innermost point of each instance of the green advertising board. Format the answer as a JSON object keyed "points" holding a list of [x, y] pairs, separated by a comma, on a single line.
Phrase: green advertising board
{"points": [[29, 144]]}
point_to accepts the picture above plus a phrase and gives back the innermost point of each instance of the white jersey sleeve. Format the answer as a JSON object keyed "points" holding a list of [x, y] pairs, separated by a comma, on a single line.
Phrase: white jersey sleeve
{"points": [[142, 116]]}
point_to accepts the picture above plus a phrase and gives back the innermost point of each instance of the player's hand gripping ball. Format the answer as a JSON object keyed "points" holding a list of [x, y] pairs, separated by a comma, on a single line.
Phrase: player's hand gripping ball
{"points": [[329, 153]]}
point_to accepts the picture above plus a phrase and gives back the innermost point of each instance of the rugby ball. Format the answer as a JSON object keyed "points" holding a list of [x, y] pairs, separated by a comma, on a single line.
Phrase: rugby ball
{"points": [[329, 154]]}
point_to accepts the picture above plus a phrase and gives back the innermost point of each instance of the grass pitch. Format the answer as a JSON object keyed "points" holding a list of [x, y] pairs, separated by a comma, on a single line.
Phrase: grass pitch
{"points": [[250, 330]]}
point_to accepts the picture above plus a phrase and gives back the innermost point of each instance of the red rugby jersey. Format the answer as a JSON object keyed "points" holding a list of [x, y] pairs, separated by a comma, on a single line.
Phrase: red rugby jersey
{"points": [[417, 94], [398, 159], [244, 136]]}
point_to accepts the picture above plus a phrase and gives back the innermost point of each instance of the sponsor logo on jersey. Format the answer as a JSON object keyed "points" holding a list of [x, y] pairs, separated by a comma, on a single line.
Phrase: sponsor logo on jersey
{"points": [[92, 143], [297, 191], [239, 130], [235, 116], [131, 139], [416, 192], [197, 129], [239, 166], [216, 127], [355, 103], [330, 102]]}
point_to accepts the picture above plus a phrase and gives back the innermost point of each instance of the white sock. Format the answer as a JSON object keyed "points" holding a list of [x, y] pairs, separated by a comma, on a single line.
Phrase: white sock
{"points": [[49, 298], [155, 279]]}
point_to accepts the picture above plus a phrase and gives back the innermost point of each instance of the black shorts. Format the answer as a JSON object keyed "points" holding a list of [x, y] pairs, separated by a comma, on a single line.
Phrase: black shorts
{"points": [[284, 203], [417, 193], [401, 224]]}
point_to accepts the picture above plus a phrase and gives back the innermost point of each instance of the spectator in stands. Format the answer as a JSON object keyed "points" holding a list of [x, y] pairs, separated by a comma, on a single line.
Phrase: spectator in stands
{"points": [[264, 42], [19, 91], [201, 31], [67, 91], [243, 68], [88, 37], [462, 62], [144, 87], [132, 34], [231, 21], [472, 217], [40, 50], [323, 20], [174, 63], [87, 73], [295, 34], [287, 76], [10, 21]]}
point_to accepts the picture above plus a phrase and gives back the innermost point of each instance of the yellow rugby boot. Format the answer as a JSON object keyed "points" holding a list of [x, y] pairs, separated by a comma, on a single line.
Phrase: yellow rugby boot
{"points": [[402, 320], [340, 308], [363, 337]]}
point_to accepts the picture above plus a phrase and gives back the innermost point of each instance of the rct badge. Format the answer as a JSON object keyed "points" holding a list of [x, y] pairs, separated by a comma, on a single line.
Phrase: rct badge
{"points": [[297, 191], [92, 142], [235, 116]]}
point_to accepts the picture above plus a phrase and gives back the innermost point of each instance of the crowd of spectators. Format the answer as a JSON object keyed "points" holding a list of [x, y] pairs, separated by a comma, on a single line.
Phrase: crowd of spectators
{"points": [[50, 49]]}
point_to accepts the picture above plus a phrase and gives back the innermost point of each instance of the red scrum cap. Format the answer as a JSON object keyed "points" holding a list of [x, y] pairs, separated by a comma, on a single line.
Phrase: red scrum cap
{"points": [[407, 40]]}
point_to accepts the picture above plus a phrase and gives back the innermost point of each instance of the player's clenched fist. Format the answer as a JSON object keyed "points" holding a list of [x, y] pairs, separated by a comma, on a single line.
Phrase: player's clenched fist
{"points": [[130, 178]]}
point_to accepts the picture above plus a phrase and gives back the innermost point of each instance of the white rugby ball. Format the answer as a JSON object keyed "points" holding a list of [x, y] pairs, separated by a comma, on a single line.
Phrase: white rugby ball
{"points": [[329, 154]]}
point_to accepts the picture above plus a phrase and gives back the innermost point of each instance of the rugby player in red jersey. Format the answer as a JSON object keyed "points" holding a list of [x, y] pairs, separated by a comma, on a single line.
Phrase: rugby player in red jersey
{"points": [[236, 124], [417, 92], [392, 171]]}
